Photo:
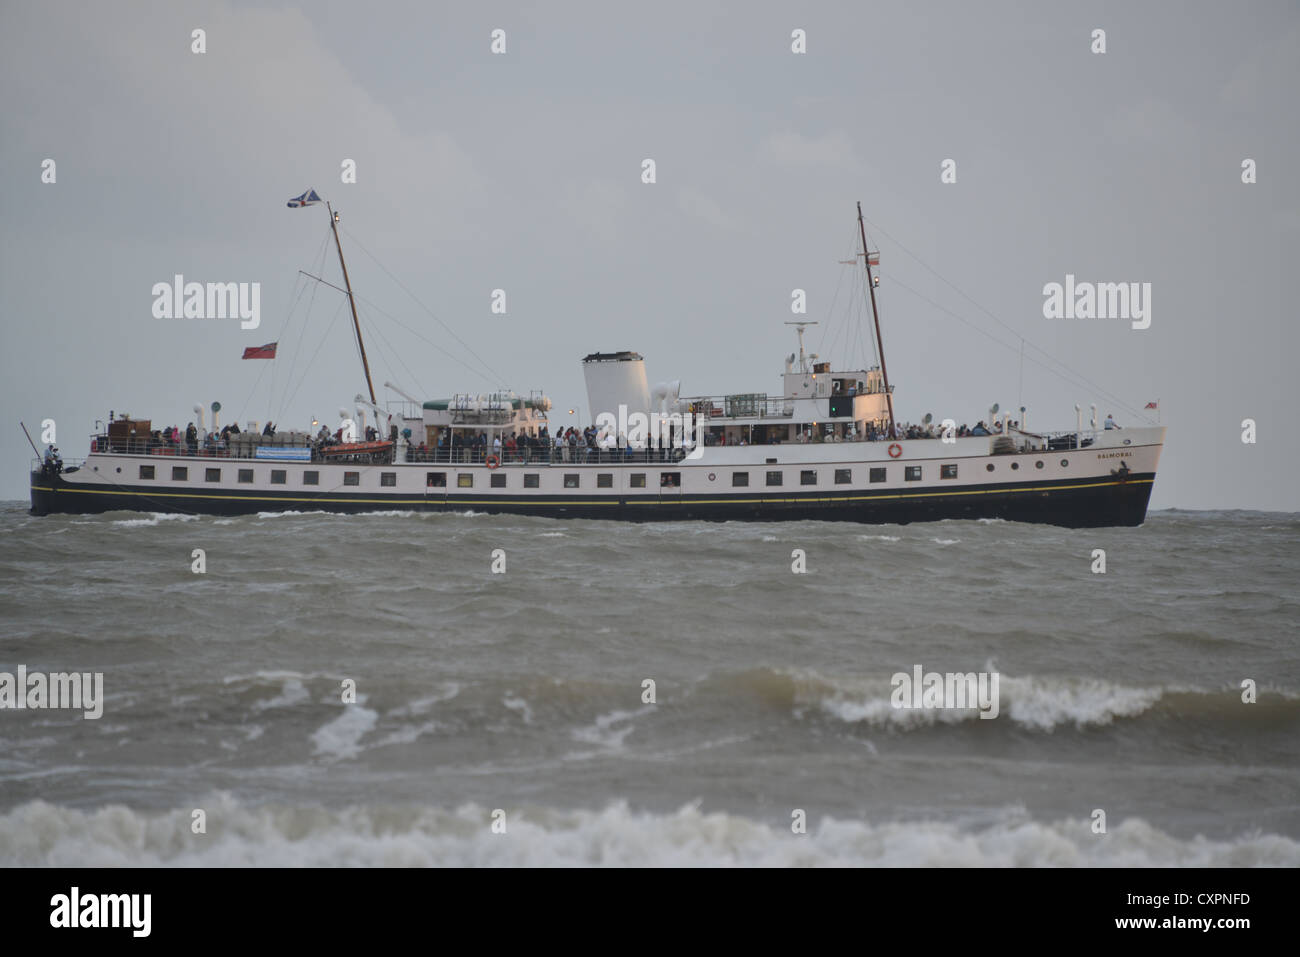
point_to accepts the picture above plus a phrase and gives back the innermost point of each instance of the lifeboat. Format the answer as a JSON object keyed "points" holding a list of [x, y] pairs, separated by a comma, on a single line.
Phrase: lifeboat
{"points": [[363, 451]]}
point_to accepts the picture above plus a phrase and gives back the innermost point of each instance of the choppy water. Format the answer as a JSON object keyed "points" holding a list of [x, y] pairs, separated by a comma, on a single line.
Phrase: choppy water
{"points": [[523, 691]]}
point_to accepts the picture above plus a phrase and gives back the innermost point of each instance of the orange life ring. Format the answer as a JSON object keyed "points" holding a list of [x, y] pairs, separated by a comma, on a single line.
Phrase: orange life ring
{"points": [[895, 450], [492, 461]]}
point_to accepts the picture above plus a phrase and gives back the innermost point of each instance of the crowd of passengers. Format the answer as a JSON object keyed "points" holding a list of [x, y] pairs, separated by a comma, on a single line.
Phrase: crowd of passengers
{"points": [[172, 441], [589, 445], [566, 445]]}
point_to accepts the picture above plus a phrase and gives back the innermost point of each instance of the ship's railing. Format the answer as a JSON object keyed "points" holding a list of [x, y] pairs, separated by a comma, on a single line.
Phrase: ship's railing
{"points": [[217, 449], [1062, 441], [582, 455], [62, 465], [741, 405], [460, 455]]}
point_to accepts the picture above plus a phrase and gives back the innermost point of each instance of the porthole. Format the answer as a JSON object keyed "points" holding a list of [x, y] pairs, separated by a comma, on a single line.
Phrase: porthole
{"points": [[95, 468], [1038, 464], [119, 468], [989, 467], [1065, 463], [1015, 465], [1127, 441]]}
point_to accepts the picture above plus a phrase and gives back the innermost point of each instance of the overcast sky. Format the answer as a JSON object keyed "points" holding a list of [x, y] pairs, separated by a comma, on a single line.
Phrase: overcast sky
{"points": [[523, 172]]}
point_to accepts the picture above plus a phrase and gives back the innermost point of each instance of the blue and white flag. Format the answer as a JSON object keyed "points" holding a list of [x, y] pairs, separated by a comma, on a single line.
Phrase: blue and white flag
{"points": [[306, 199]]}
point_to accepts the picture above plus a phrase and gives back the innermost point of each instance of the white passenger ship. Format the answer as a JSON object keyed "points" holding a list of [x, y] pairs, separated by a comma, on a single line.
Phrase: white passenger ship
{"points": [[827, 448]]}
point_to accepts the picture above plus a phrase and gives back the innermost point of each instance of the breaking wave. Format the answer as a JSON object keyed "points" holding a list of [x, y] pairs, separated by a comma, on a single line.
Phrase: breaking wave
{"points": [[42, 834], [1039, 704]]}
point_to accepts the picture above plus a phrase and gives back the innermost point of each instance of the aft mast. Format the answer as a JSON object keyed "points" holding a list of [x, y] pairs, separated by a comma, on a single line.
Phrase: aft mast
{"points": [[880, 344], [365, 364]]}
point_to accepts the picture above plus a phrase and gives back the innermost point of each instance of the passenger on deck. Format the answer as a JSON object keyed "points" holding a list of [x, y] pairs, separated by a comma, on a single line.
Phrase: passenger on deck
{"points": [[1111, 423]]}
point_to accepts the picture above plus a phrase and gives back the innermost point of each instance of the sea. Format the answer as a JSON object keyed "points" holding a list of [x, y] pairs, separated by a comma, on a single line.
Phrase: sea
{"points": [[408, 689]]}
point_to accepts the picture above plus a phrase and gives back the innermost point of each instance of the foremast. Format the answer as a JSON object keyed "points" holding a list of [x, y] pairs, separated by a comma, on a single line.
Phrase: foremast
{"points": [[356, 323]]}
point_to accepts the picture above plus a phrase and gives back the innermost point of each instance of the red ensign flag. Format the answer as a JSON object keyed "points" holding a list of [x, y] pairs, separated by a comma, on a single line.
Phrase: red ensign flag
{"points": [[261, 352]]}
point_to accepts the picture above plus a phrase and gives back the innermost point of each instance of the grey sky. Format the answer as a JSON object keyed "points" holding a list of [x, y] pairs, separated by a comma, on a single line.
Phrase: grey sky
{"points": [[522, 172]]}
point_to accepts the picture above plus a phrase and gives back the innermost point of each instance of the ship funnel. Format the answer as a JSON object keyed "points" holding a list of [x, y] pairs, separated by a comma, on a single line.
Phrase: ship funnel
{"points": [[615, 379]]}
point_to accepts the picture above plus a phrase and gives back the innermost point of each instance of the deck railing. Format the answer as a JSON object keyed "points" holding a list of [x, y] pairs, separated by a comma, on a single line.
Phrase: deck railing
{"points": [[458, 455], [742, 405]]}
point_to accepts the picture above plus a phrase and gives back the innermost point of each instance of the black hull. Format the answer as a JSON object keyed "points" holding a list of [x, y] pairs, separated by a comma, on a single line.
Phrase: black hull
{"points": [[1086, 503]]}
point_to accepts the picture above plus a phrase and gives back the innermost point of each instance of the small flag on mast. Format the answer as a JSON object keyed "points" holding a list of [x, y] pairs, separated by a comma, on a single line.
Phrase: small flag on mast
{"points": [[1152, 405], [306, 199], [261, 352]]}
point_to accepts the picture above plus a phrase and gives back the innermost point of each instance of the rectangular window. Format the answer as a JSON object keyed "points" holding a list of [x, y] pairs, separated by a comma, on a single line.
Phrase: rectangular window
{"points": [[146, 471], [844, 476], [465, 480], [912, 473], [532, 480], [740, 480], [212, 475], [670, 479], [351, 478], [605, 480], [570, 479], [246, 476], [498, 480], [947, 471], [774, 478], [310, 478], [877, 475], [435, 479], [279, 476], [180, 473], [638, 480], [388, 479], [808, 477]]}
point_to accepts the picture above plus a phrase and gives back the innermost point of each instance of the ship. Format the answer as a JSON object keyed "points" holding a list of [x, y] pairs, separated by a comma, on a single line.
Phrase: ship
{"points": [[827, 448]]}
